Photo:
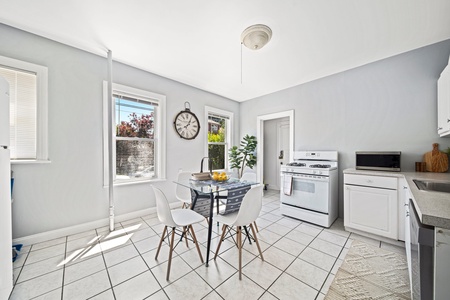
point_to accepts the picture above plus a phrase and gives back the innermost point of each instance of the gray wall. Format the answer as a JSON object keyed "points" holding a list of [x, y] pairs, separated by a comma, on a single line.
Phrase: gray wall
{"points": [[69, 190], [386, 105]]}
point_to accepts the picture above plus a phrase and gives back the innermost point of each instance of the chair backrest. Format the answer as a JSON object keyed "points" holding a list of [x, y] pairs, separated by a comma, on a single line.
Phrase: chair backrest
{"points": [[249, 176], [250, 207], [183, 193], [234, 199], [163, 208]]}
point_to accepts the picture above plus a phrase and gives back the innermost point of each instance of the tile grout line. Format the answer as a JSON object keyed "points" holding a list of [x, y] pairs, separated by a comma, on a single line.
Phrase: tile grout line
{"points": [[64, 269], [149, 269], [296, 257], [106, 267]]}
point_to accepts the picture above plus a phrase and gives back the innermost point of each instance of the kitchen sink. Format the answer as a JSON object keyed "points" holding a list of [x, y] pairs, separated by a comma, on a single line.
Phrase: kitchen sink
{"points": [[431, 185]]}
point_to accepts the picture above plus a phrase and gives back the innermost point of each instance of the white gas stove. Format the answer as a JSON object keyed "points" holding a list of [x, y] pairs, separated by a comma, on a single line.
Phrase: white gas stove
{"points": [[310, 187]]}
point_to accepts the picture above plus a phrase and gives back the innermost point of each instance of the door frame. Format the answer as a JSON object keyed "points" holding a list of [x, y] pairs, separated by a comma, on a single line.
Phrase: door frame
{"points": [[260, 137], [279, 125]]}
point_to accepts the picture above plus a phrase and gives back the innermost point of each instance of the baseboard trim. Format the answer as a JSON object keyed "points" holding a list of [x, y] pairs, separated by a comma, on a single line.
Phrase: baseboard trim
{"points": [[57, 233]]}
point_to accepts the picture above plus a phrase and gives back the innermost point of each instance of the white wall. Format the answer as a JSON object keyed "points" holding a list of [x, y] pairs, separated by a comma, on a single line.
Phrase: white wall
{"points": [[386, 105], [69, 190]]}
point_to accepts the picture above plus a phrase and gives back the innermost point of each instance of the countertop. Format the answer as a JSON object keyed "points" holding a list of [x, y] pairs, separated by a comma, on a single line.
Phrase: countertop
{"points": [[433, 208]]}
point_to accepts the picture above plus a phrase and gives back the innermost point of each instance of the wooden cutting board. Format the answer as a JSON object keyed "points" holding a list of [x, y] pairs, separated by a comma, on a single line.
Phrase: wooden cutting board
{"points": [[436, 161]]}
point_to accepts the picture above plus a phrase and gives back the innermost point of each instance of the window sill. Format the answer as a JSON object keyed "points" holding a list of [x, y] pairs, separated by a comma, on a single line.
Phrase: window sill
{"points": [[30, 161], [122, 183]]}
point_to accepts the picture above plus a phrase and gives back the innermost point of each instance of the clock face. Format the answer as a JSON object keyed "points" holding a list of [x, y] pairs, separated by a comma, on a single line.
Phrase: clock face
{"points": [[187, 125]]}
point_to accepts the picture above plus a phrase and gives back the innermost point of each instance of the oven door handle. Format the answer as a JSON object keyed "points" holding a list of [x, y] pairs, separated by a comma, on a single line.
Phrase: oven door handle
{"points": [[302, 178]]}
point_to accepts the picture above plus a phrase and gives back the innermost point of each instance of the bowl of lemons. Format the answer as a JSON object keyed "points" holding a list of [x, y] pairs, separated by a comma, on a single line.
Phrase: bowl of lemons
{"points": [[220, 176]]}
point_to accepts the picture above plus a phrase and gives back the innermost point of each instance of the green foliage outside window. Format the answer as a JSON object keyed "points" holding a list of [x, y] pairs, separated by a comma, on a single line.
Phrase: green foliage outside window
{"points": [[216, 152]]}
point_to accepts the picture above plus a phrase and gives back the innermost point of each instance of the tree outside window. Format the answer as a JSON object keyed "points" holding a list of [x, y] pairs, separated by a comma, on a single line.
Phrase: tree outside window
{"points": [[135, 143], [217, 142]]}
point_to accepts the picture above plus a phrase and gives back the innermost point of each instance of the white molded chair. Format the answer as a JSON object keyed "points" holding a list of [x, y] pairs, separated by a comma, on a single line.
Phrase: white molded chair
{"points": [[172, 219], [249, 176], [183, 193], [247, 214]]}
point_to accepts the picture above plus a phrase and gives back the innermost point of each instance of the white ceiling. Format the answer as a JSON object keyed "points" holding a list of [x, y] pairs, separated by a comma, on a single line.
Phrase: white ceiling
{"points": [[197, 42]]}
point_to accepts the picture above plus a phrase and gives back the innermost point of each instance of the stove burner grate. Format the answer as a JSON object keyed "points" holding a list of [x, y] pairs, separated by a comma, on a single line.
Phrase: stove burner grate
{"points": [[296, 164], [320, 166]]}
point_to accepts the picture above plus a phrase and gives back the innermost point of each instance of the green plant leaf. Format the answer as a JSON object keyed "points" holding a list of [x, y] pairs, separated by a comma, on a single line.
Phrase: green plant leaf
{"points": [[245, 155]]}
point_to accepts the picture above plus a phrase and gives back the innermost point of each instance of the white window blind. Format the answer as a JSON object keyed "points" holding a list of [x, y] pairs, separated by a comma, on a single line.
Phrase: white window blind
{"points": [[23, 112]]}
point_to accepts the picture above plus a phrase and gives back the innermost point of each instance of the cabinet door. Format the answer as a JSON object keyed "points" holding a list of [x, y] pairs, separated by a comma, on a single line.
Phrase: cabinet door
{"points": [[444, 103], [371, 210], [442, 263]]}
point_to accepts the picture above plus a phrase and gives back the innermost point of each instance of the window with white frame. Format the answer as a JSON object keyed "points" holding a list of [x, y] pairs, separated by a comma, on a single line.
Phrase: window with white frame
{"points": [[138, 137], [219, 136], [28, 109]]}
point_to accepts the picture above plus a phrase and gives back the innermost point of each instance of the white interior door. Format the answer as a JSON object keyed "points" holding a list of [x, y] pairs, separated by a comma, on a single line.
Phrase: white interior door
{"points": [[283, 148]]}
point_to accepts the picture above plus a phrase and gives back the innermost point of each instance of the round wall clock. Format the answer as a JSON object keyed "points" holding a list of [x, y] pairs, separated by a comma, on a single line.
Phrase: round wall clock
{"points": [[186, 123]]}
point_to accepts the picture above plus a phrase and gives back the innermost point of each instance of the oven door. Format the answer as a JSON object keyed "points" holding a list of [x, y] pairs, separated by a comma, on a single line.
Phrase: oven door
{"points": [[309, 192]]}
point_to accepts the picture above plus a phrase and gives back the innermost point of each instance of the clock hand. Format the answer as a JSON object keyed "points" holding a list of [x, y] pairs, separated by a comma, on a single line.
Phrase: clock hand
{"points": [[189, 123]]}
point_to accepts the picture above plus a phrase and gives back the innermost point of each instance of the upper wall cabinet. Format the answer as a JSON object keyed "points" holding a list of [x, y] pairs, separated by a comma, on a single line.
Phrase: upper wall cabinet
{"points": [[444, 102]]}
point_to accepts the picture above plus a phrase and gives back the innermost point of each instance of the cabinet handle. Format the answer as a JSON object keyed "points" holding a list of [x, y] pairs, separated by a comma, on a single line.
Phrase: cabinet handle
{"points": [[407, 214], [439, 128], [405, 187], [440, 231], [448, 120], [406, 204]]}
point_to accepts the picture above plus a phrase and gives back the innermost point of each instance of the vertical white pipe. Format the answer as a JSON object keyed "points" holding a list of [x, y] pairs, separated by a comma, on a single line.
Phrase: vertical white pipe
{"points": [[110, 144]]}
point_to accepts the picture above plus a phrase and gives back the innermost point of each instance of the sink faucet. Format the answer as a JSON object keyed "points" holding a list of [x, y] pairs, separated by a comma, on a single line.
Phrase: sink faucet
{"points": [[209, 165]]}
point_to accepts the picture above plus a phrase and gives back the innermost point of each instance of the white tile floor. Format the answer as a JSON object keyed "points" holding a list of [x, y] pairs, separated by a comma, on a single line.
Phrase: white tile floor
{"points": [[300, 263]]}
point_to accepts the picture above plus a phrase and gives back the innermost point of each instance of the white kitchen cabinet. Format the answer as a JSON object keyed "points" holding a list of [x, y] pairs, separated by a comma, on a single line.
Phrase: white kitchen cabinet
{"points": [[444, 103], [441, 263], [371, 204]]}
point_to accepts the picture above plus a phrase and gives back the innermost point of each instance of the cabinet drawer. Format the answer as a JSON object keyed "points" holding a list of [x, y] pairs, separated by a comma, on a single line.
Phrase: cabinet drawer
{"points": [[371, 181]]}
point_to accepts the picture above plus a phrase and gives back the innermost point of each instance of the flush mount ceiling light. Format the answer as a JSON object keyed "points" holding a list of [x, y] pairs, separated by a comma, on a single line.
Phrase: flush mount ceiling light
{"points": [[256, 36]]}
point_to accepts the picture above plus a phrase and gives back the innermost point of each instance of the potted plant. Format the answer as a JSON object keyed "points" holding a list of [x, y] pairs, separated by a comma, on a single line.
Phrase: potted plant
{"points": [[244, 156]]}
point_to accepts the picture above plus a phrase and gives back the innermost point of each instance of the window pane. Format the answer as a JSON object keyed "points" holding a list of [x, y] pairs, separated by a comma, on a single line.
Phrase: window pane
{"points": [[216, 154], [135, 159], [23, 112], [134, 118], [216, 129]]}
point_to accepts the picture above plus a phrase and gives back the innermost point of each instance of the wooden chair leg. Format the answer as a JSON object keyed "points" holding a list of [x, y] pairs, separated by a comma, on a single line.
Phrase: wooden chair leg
{"points": [[256, 241], [185, 232], [160, 241], [224, 230], [239, 244], [196, 242], [170, 253], [256, 226]]}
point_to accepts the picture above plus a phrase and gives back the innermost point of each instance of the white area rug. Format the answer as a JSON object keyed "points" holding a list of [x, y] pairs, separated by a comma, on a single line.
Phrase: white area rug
{"points": [[370, 273]]}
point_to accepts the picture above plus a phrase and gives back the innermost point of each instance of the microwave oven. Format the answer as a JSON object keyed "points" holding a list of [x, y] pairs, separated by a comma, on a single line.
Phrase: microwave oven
{"points": [[378, 160]]}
